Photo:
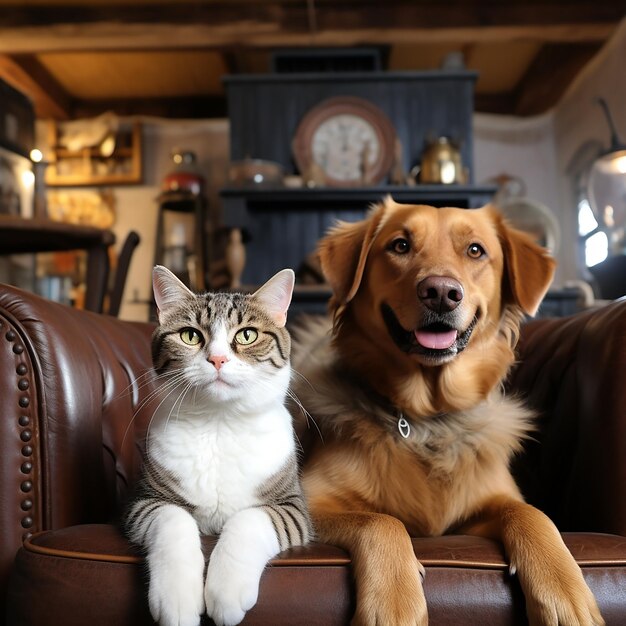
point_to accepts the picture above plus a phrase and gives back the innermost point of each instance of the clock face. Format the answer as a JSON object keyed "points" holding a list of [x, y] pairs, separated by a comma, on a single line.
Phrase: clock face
{"points": [[345, 142], [345, 146]]}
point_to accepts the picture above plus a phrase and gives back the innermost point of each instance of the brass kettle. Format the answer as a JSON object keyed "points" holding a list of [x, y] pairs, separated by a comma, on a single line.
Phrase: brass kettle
{"points": [[441, 164]]}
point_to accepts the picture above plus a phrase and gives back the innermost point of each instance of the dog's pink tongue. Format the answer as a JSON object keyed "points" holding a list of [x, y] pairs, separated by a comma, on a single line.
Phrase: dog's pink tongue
{"points": [[435, 341]]}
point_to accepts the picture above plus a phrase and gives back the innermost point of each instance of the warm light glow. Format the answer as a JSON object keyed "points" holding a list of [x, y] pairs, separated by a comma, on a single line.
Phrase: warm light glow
{"points": [[36, 156], [620, 164], [107, 147], [448, 173], [28, 179]]}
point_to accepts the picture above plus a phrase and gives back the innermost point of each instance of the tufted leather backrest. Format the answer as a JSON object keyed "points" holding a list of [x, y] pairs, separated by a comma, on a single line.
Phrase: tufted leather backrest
{"points": [[73, 391], [572, 371]]}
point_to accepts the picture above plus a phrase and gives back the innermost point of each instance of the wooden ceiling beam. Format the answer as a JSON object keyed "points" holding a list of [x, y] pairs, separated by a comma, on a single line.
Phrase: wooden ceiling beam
{"points": [[496, 103], [293, 15], [27, 75], [163, 36], [549, 75], [65, 26], [184, 107]]}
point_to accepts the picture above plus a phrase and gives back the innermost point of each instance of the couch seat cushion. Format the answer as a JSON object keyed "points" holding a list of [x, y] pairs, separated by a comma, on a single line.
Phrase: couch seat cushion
{"points": [[90, 574]]}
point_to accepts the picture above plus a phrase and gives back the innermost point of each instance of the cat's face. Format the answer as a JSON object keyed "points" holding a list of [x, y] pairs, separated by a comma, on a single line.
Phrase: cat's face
{"points": [[219, 347]]}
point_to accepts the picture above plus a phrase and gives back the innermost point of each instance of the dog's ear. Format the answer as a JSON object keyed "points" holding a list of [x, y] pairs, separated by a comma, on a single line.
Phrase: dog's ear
{"points": [[343, 252], [528, 268]]}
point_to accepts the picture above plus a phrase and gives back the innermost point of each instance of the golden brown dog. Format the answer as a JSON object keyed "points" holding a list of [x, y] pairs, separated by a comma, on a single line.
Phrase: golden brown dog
{"points": [[416, 435]]}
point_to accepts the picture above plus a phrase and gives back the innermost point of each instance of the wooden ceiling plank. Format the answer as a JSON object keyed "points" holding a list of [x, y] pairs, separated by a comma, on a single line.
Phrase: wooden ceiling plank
{"points": [[27, 75], [163, 36], [293, 16]]}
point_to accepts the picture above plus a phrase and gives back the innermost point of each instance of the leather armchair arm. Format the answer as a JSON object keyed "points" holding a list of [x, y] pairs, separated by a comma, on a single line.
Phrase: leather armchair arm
{"points": [[71, 386], [573, 372]]}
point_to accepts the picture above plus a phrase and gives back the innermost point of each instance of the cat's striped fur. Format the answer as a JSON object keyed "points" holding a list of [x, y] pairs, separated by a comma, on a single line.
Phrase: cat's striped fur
{"points": [[281, 499], [220, 454]]}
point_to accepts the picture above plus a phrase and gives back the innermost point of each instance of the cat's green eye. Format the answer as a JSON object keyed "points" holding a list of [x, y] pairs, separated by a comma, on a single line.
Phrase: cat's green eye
{"points": [[191, 336], [246, 336]]}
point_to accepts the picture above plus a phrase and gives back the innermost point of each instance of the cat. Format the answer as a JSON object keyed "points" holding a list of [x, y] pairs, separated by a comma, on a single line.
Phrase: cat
{"points": [[220, 451]]}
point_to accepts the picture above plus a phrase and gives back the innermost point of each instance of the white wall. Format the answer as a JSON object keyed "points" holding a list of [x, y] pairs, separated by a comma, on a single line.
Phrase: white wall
{"points": [[518, 147]]}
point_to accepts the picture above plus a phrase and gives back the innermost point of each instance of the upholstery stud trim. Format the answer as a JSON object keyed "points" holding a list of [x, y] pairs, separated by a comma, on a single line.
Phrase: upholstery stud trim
{"points": [[25, 433]]}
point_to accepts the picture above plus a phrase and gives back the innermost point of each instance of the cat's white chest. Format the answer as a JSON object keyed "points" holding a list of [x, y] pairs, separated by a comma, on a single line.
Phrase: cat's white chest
{"points": [[221, 463]]}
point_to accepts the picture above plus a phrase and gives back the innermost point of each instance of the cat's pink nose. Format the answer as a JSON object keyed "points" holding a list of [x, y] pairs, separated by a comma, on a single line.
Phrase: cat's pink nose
{"points": [[218, 360]]}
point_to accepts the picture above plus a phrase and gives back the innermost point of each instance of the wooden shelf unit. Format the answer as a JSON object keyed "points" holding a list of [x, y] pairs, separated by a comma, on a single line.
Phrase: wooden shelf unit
{"points": [[126, 156]]}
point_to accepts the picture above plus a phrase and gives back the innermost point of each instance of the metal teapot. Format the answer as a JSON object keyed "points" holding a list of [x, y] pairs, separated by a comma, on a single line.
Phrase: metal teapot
{"points": [[441, 164]]}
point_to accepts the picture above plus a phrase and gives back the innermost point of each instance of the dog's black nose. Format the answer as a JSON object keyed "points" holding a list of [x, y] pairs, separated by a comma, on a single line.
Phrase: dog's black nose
{"points": [[440, 293]]}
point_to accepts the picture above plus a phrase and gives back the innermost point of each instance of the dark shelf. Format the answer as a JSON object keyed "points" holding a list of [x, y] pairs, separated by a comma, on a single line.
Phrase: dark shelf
{"points": [[431, 194], [19, 236]]}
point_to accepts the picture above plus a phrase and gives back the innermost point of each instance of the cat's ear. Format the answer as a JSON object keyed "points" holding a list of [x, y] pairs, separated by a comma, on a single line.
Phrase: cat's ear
{"points": [[168, 290], [275, 295]]}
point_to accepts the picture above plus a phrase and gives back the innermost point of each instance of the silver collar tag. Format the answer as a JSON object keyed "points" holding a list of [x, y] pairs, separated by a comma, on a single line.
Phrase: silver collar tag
{"points": [[403, 426]]}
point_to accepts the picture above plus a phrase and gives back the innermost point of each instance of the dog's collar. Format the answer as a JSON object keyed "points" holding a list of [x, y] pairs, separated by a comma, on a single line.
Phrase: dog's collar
{"points": [[395, 419]]}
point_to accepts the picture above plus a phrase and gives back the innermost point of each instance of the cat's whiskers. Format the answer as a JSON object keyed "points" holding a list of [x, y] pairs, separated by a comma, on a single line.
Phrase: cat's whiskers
{"points": [[303, 377], [172, 385], [307, 416], [154, 378], [180, 400], [176, 376], [146, 374]]}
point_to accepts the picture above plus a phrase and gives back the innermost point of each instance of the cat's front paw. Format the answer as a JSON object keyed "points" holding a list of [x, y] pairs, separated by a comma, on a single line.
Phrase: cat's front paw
{"points": [[176, 595], [231, 589], [176, 565]]}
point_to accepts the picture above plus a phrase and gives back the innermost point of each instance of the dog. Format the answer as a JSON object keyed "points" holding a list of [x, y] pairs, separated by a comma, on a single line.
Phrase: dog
{"points": [[415, 436]]}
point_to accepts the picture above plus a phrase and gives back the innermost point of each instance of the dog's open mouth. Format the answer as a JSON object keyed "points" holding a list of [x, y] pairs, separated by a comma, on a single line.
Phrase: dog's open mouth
{"points": [[437, 336], [436, 340]]}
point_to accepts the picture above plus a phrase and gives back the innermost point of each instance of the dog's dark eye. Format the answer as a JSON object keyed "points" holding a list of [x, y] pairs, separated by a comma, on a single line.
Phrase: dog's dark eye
{"points": [[400, 245], [475, 251]]}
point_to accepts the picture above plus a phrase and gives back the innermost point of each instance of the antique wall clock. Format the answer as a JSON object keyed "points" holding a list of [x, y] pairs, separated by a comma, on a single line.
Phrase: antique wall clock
{"points": [[344, 142]]}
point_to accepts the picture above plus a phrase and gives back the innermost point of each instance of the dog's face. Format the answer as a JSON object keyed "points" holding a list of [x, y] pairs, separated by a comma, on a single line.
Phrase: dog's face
{"points": [[428, 285], [434, 277]]}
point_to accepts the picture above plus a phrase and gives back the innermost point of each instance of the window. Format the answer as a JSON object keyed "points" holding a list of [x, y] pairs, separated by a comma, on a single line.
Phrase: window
{"points": [[595, 241]]}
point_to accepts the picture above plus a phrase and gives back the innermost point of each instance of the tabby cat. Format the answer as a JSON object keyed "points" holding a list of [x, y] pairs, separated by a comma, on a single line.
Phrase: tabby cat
{"points": [[220, 451]]}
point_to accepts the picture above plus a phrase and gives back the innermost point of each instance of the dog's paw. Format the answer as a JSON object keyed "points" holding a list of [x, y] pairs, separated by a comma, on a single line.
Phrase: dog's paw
{"points": [[557, 595], [399, 601], [175, 595], [231, 589]]}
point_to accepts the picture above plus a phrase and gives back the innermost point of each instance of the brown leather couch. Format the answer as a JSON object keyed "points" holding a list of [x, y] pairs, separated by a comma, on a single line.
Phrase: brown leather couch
{"points": [[73, 392]]}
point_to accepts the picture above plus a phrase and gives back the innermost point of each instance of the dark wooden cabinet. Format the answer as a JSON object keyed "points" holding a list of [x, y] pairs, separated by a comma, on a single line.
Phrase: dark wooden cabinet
{"points": [[265, 110], [284, 225]]}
